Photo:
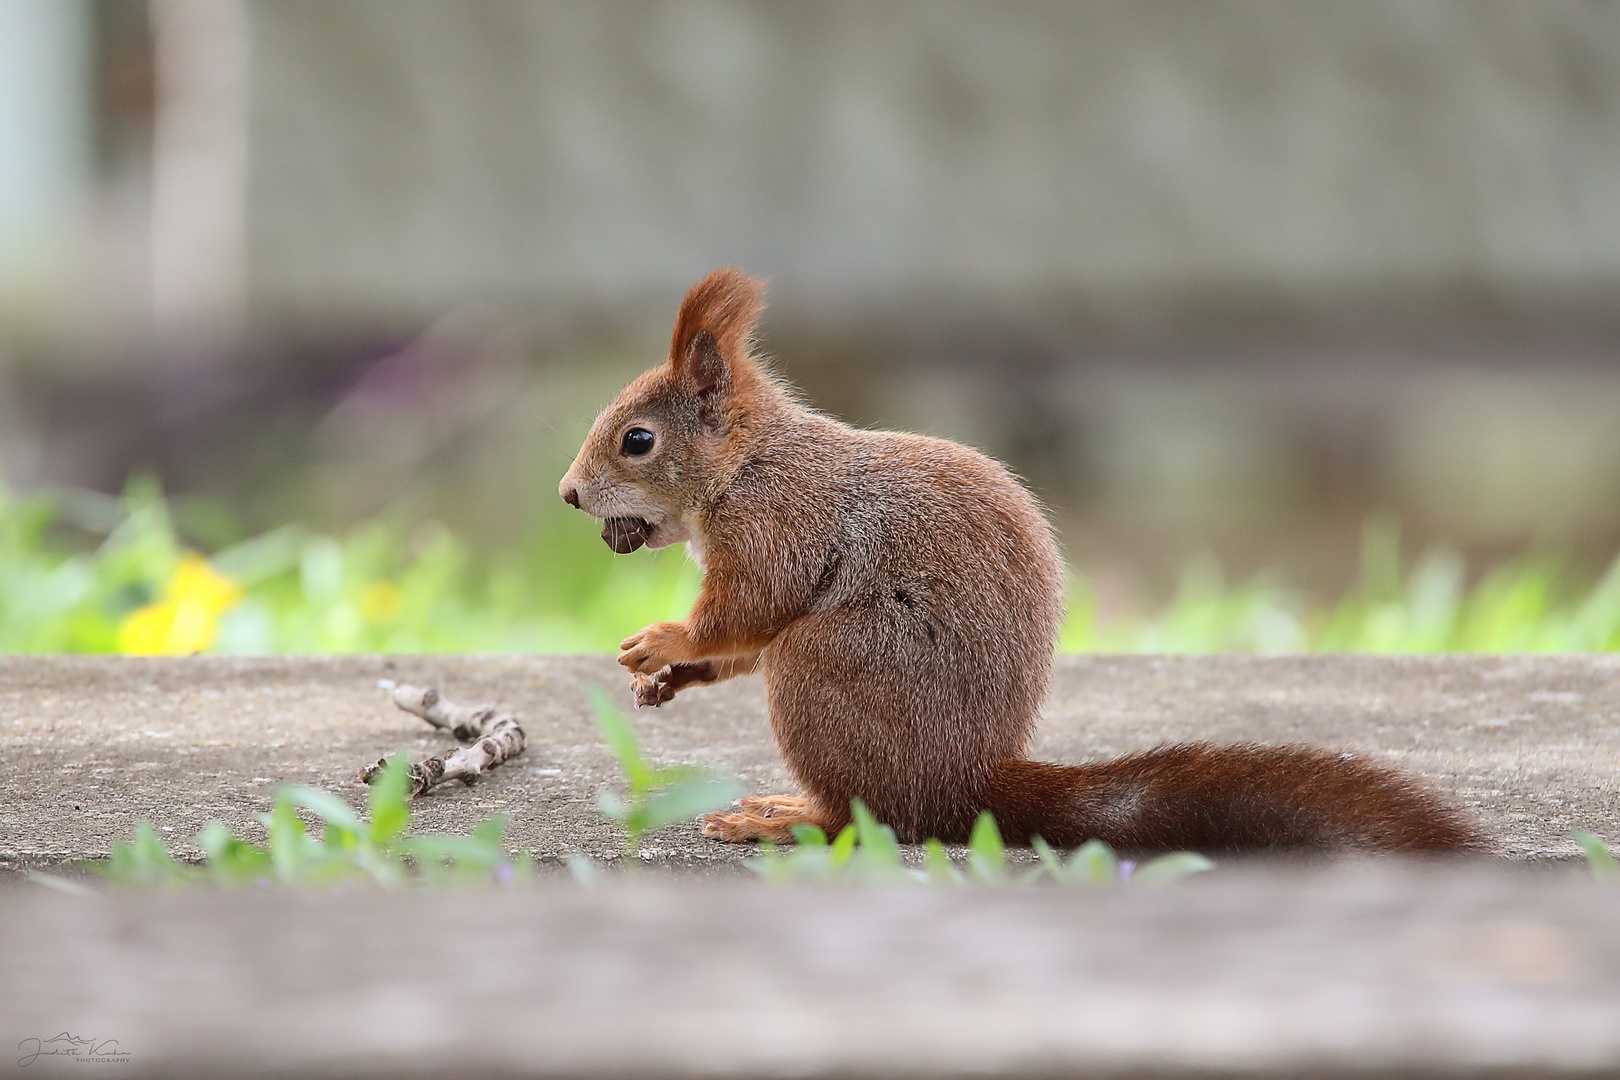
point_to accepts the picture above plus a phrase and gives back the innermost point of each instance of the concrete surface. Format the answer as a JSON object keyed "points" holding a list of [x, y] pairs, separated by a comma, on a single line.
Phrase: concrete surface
{"points": [[91, 745], [1378, 970]]}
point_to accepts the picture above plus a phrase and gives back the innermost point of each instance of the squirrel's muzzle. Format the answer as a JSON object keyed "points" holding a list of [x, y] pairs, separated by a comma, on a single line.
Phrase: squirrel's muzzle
{"points": [[624, 535]]}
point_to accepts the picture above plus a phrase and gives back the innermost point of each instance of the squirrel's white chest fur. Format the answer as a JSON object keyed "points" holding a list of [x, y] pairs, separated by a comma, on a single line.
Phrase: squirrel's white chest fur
{"points": [[694, 542]]}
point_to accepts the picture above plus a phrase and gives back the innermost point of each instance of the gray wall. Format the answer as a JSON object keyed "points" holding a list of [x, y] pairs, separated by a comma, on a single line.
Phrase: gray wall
{"points": [[1119, 162]]}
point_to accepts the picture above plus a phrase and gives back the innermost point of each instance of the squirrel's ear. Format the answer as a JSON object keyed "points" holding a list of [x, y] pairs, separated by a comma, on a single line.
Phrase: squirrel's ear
{"points": [[714, 330], [705, 367]]}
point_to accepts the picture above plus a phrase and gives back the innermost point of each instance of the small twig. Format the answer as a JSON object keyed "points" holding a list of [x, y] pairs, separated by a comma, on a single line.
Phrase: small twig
{"points": [[492, 738]]}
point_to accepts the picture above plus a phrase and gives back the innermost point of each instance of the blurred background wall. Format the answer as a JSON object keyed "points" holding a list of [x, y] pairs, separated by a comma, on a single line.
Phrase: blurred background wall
{"points": [[1051, 167], [1227, 275]]}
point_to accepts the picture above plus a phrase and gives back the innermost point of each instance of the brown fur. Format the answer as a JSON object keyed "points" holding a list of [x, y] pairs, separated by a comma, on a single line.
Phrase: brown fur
{"points": [[901, 595]]}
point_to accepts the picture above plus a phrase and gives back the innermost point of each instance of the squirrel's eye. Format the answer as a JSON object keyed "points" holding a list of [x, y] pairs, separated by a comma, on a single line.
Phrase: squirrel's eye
{"points": [[637, 441]]}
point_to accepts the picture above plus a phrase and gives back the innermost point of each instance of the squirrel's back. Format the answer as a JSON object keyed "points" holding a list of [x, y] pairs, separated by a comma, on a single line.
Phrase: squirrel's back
{"points": [[925, 653]]}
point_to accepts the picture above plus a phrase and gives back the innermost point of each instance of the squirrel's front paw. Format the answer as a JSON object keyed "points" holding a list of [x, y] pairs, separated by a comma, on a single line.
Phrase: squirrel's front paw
{"points": [[654, 689], [653, 647], [663, 684]]}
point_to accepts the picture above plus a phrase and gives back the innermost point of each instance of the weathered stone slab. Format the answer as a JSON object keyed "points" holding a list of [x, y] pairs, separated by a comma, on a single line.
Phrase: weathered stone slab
{"points": [[90, 745], [1365, 969]]}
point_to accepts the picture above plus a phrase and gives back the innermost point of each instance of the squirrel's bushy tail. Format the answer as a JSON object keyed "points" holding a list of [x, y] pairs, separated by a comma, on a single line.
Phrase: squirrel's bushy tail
{"points": [[1244, 797]]}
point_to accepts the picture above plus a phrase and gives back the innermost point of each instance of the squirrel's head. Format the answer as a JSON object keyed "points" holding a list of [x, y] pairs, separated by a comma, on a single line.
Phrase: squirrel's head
{"points": [[657, 452]]}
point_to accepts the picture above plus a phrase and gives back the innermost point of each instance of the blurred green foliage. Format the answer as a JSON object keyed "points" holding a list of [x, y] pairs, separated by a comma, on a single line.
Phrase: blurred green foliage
{"points": [[866, 852], [350, 849], [383, 587], [1529, 604], [377, 850], [81, 572]]}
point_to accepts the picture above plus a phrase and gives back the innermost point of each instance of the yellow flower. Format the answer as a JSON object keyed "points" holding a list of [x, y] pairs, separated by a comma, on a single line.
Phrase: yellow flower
{"points": [[184, 620], [379, 602]]}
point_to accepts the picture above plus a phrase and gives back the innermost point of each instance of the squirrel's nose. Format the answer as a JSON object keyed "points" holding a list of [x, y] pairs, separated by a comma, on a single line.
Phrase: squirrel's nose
{"points": [[570, 494]]}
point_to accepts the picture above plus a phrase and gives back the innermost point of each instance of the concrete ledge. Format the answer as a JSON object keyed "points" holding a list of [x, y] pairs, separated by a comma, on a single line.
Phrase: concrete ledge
{"points": [[1282, 969], [1379, 969], [90, 745]]}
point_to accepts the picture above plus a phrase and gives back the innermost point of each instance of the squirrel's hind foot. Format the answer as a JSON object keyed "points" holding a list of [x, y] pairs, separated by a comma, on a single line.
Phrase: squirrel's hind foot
{"points": [[775, 805], [763, 817]]}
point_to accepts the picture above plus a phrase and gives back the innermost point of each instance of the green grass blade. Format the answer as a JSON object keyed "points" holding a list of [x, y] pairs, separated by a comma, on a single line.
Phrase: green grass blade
{"points": [[807, 835], [843, 846], [621, 739], [491, 831], [1094, 863], [938, 866], [1599, 860], [328, 807], [1051, 864], [879, 850], [773, 864], [389, 801], [1171, 867], [289, 854], [686, 801], [987, 855], [232, 860], [585, 871], [60, 884], [143, 860], [611, 806]]}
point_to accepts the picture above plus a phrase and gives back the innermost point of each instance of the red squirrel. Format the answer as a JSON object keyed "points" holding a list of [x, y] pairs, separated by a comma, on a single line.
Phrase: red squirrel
{"points": [[901, 596]]}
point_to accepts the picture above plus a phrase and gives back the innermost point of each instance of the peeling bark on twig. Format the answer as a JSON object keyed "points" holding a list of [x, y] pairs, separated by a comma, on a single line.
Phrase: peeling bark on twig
{"points": [[492, 738]]}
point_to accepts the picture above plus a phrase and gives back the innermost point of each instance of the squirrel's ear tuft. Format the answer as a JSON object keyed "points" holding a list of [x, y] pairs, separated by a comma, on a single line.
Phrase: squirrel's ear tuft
{"points": [[715, 326]]}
